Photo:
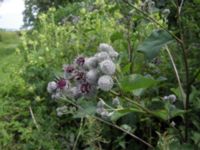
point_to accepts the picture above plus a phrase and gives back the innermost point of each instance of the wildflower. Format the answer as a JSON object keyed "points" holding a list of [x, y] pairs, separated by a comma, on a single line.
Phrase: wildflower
{"points": [[79, 75], [68, 71], [51, 87], [74, 92], [116, 101], [105, 83], [90, 62], [101, 104], [107, 67], [80, 61], [62, 83], [109, 49], [101, 56], [172, 98], [165, 12], [85, 88], [92, 76]]}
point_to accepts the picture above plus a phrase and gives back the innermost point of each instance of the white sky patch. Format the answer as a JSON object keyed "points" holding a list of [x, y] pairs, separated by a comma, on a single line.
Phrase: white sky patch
{"points": [[11, 16]]}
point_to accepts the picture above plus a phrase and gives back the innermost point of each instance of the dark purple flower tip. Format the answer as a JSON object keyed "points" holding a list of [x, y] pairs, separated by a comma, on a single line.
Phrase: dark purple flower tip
{"points": [[80, 76], [80, 61], [85, 88], [61, 83], [69, 68]]}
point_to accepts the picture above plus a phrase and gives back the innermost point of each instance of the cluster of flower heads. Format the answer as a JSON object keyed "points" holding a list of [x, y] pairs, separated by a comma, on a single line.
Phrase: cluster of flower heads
{"points": [[86, 75]]}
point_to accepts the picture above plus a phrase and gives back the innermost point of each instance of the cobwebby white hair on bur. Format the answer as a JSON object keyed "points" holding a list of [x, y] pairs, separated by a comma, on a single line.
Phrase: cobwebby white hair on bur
{"points": [[105, 83], [107, 67]]}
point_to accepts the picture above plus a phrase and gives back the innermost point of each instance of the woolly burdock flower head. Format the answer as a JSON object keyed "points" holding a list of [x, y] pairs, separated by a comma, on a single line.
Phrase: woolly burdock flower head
{"points": [[68, 71], [107, 67], [101, 104], [101, 56], [165, 12], [116, 101], [105, 83], [68, 68], [79, 75], [92, 76], [90, 62], [80, 61], [75, 93], [85, 88], [108, 49], [62, 83], [172, 98], [51, 87]]}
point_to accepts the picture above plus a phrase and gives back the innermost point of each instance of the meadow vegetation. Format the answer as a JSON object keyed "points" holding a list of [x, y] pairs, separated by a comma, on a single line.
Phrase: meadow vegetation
{"points": [[154, 102]]}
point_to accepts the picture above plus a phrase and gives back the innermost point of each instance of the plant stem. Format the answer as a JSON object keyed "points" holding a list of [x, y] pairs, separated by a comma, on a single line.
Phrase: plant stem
{"points": [[177, 76], [185, 59], [108, 123]]}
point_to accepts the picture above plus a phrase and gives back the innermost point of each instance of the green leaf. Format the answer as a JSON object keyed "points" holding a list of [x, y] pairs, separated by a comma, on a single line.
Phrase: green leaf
{"points": [[136, 81], [122, 112], [153, 44], [116, 36], [88, 108]]}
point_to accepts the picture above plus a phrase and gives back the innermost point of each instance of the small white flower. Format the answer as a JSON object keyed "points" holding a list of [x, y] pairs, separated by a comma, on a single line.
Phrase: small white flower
{"points": [[90, 62], [172, 98], [52, 86], [105, 83], [92, 76], [101, 56], [165, 98], [107, 67], [166, 12], [116, 101]]}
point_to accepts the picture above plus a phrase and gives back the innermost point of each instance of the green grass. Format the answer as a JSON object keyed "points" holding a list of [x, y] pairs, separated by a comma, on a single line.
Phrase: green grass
{"points": [[10, 60]]}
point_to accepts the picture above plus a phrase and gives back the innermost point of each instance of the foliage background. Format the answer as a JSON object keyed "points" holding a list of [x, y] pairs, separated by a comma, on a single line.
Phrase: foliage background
{"points": [[63, 30]]}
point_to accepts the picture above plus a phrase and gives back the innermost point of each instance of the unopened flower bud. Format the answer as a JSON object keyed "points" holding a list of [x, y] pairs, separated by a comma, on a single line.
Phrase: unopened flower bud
{"points": [[80, 61], [116, 101], [166, 12], [52, 86], [101, 56], [105, 83], [100, 104], [107, 67], [92, 76], [172, 98], [90, 62], [109, 49]]}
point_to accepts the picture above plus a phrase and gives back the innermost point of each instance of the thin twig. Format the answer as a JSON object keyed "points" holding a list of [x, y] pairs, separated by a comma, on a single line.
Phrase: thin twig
{"points": [[33, 117], [177, 75]]}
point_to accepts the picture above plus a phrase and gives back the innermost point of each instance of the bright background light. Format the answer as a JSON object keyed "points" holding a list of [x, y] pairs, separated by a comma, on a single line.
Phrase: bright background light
{"points": [[11, 14]]}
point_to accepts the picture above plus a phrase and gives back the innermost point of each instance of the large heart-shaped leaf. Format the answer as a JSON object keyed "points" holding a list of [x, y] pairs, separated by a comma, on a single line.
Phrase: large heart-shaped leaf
{"points": [[153, 44]]}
